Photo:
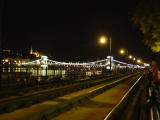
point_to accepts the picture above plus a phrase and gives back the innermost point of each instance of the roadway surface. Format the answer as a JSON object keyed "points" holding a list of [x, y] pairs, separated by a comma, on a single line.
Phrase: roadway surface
{"points": [[14, 102], [98, 107], [100, 104], [33, 91]]}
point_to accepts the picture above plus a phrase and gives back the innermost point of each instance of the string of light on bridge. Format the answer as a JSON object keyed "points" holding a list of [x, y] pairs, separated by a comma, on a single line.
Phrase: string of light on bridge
{"points": [[44, 62]]}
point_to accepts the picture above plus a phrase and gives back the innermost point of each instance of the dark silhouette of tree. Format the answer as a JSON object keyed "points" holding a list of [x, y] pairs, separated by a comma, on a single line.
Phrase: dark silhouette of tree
{"points": [[147, 16]]}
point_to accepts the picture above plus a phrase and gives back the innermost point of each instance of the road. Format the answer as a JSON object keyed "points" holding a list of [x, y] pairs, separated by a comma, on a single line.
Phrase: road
{"points": [[99, 104], [98, 107]]}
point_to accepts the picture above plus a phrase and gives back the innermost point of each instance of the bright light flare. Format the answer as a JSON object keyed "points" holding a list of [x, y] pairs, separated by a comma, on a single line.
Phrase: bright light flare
{"points": [[139, 61], [103, 40], [122, 51], [6, 60], [130, 57]]}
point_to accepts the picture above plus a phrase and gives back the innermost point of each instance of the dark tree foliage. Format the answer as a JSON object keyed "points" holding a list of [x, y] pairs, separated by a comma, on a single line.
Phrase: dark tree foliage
{"points": [[147, 17]]}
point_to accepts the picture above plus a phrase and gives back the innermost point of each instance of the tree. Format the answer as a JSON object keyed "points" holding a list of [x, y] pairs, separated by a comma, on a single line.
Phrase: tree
{"points": [[147, 17]]}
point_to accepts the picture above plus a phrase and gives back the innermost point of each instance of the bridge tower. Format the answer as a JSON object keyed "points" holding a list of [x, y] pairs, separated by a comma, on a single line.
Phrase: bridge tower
{"points": [[44, 63], [108, 62]]}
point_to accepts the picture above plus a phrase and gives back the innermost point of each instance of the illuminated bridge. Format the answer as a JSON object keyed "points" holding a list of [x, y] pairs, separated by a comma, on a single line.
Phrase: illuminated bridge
{"points": [[107, 96], [44, 62]]}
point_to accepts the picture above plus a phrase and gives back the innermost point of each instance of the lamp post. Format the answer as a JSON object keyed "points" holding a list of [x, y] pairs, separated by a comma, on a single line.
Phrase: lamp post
{"points": [[130, 57], [110, 52], [125, 53], [103, 40]]}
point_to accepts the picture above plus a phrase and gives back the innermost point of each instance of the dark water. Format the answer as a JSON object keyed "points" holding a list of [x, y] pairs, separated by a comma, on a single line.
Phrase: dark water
{"points": [[47, 72], [35, 72], [31, 76]]}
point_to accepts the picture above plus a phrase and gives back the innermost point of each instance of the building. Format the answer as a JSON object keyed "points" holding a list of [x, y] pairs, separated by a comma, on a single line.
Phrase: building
{"points": [[37, 54]]}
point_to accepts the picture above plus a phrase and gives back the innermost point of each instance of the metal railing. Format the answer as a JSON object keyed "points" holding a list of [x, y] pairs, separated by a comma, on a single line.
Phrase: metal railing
{"points": [[127, 104], [153, 103], [144, 94]]}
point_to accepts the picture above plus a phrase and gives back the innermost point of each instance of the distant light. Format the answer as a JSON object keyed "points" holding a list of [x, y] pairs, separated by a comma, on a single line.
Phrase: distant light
{"points": [[138, 61], [6, 60], [134, 59], [130, 57], [110, 57], [146, 64]]}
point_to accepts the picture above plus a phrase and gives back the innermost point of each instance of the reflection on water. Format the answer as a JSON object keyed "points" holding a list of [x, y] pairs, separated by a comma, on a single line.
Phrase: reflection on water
{"points": [[30, 76], [47, 72], [36, 72]]}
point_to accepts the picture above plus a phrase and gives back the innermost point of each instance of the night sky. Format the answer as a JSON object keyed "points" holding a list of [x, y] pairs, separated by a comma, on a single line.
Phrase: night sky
{"points": [[70, 30]]}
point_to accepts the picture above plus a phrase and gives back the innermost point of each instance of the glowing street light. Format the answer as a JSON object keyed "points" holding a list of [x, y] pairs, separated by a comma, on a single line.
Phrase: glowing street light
{"points": [[103, 40], [6, 60], [134, 58], [122, 51], [139, 61], [130, 57]]}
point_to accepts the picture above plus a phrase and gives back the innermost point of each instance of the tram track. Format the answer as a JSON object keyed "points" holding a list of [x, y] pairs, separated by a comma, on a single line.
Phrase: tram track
{"points": [[59, 85], [16, 102], [63, 98], [53, 84], [98, 106]]}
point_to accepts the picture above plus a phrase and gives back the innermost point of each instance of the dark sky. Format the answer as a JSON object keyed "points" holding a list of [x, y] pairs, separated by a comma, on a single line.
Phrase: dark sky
{"points": [[70, 30]]}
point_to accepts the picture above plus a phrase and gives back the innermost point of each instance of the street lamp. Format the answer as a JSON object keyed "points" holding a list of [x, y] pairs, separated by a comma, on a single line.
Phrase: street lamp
{"points": [[139, 61], [123, 52], [130, 57], [134, 59], [103, 40]]}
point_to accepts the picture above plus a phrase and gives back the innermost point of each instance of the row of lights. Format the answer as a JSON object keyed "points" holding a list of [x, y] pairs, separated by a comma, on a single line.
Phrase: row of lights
{"points": [[7, 61], [125, 52], [104, 39]]}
